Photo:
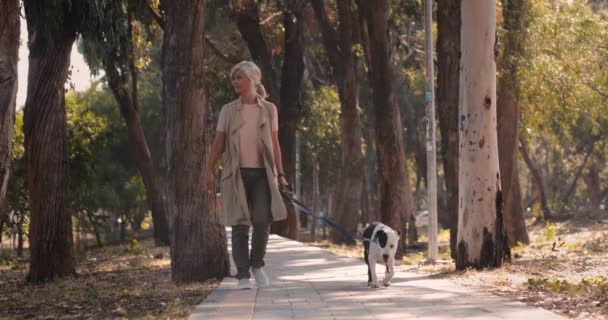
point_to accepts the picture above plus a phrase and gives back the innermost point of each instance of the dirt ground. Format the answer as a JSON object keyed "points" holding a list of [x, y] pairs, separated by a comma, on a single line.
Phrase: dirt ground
{"points": [[128, 281], [563, 269]]}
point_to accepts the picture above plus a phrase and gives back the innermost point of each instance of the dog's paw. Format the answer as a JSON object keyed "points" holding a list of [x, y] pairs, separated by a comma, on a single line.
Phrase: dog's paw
{"points": [[375, 285], [386, 283]]}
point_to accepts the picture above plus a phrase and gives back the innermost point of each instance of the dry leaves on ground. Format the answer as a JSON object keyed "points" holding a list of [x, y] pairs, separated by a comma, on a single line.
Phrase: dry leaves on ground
{"points": [[564, 268], [130, 281]]}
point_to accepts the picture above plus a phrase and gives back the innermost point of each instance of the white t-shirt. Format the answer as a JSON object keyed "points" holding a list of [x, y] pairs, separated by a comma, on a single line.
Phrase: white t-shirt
{"points": [[250, 142]]}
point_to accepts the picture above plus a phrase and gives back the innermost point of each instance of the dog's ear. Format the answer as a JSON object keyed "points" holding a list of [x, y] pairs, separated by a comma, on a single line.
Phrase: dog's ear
{"points": [[381, 237]]}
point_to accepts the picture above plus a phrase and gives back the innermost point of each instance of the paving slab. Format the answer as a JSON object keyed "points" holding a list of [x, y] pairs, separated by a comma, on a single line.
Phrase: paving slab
{"points": [[312, 283]]}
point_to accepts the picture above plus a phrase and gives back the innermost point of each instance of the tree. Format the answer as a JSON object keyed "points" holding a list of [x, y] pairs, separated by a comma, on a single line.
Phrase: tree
{"points": [[52, 30], [9, 50], [248, 22], [290, 106], [563, 93], [480, 221], [393, 185], [112, 48], [448, 67], [508, 120], [17, 199], [338, 47], [287, 95], [198, 247]]}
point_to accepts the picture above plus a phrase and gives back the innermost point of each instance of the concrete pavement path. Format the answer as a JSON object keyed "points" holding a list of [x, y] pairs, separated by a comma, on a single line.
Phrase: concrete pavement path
{"points": [[312, 283]]}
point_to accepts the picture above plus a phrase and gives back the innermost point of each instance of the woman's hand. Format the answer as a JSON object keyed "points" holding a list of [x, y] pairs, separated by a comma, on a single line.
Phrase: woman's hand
{"points": [[283, 181], [209, 181]]}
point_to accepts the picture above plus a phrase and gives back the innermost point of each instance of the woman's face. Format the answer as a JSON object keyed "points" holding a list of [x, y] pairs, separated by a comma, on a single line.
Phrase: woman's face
{"points": [[241, 83]]}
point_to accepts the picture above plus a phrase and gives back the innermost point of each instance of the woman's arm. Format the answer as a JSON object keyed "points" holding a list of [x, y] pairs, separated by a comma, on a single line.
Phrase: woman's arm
{"points": [[276, 149], [216, 151]]}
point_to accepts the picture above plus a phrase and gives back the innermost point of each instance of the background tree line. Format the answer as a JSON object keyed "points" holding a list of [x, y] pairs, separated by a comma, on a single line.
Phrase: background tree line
{"points": [[348, 76]]}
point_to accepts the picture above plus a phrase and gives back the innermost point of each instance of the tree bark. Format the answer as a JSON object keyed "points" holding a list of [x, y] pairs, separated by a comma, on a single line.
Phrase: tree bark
{"points": [[95, 229], [287, 98], [544, 207], [248, 22], [579, 171], [290, 108], [143, 158], [593, 186], [20, 236], [291, 81], [393, 185], [481, 241], [9, 54], [198, 247], [46, 155], [338, 46], [448, 79], [508, 120], [316, 195]]}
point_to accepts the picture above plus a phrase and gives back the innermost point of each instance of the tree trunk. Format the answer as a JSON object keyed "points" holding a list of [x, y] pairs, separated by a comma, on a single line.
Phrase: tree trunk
{"points": [[316, 195], [393, 185], [290, 108], [481, 241], [291, 82], [20, 236], [579, 171], [448, 79], [123, 229], [198, 248], [46, 156], [593, 186], [508, 120], [143, 158], [338, 46], [538, 180], [248, 22], [442, 209], [95, 229], [288, 103], [9, 53], [365, 203]]}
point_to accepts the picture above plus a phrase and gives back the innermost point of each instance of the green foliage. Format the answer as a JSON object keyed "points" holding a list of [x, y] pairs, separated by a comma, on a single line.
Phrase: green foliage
{"points": [[7, 257], [564, 91], [564, 84], [134, 248], [104, 182], [86, 18], [550, 231], [17, 195], [586, 285], [550, 285], [321, 129]]}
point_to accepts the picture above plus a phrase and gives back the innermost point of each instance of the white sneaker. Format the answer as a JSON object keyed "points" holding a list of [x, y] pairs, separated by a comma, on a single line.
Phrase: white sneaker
{"points": [[244, 284], [261, 280]]}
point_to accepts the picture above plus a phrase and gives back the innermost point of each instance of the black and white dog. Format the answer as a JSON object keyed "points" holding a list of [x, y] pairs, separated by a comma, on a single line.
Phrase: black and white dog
{"points": [[381, 247]]}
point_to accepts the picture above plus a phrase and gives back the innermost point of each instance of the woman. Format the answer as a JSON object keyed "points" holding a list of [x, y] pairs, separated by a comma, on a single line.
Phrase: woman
{"points": [[247, 136]]}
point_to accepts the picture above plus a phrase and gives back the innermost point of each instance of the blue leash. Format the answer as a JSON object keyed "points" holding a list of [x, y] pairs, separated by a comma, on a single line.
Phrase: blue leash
{"points": [[288, 196]]}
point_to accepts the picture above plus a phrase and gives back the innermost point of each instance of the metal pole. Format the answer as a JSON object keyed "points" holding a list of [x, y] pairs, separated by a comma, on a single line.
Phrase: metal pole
{"points": [[430, 132]]}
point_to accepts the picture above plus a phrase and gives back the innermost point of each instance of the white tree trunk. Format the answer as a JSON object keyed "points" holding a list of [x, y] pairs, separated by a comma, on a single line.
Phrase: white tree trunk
{"points": [[480, 230]]}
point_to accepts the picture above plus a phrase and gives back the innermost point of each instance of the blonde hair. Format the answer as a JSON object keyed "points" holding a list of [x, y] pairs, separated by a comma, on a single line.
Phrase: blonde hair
{"points": [[253, 72]]}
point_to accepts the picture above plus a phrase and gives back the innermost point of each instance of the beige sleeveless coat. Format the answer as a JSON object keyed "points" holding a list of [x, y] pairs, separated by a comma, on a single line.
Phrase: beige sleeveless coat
{"points": [[234, 201]]}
